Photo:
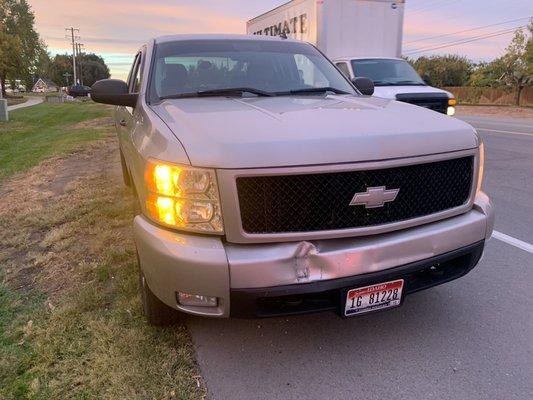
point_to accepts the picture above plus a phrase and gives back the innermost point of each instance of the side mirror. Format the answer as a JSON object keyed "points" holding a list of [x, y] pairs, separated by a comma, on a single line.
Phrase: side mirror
{"points": [[113, 91], [364, 85]]}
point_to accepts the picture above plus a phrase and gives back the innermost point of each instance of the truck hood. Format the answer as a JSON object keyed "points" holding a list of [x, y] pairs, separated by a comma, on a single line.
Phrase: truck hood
{"points": [[257, 132], [390, 92]]}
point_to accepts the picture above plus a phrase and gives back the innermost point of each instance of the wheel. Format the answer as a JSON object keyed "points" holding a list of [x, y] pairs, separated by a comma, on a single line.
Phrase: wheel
{"points": [[157, 313], [125, 173]]}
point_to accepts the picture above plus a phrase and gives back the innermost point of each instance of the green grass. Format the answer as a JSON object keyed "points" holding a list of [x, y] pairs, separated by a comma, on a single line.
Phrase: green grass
{"points": [[71, 321], [36, 133]]}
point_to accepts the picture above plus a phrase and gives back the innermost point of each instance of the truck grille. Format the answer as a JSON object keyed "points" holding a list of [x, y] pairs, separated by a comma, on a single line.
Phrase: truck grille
{"points": [[318, 202], [436, 102]]}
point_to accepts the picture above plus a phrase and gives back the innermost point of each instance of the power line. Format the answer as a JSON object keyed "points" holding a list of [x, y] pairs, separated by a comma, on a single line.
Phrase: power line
{"points": [[464, 41], [466, 30], [434, 6]]}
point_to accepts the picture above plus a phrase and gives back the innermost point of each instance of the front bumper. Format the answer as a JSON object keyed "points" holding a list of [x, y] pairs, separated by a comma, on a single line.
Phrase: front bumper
{"points": [[245, 277]]}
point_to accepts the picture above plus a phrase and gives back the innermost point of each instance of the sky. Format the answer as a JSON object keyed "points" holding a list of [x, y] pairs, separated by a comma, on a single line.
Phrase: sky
{"points": [[116, 28]]}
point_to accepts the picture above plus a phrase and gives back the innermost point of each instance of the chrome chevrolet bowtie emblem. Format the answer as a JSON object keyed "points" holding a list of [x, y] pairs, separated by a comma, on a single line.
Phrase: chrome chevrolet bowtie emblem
{"points": [[374, 197]]}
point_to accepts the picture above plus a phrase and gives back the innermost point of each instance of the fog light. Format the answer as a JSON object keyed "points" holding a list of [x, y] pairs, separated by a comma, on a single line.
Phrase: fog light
{"points": [[450, 111], [196, 300]]}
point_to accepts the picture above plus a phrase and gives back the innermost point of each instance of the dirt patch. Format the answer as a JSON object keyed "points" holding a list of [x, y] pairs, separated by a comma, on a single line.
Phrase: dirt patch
{"points": [[511, 112], [42, 204], [92, 123]]}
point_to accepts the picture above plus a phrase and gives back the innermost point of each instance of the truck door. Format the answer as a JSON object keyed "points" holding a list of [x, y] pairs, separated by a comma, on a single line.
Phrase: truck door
{"points": [[125, 119]]}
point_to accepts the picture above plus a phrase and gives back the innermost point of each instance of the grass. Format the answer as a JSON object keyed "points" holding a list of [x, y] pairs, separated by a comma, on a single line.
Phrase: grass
{"points": [[71, 323], [45, 130]]}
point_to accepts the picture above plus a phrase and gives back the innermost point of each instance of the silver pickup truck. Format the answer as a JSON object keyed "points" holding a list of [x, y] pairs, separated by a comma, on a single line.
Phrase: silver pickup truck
{"points": [[269, 184]]}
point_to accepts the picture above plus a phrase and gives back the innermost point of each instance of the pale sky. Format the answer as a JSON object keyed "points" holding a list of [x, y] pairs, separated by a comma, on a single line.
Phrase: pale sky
{"points": [[116, 28]]}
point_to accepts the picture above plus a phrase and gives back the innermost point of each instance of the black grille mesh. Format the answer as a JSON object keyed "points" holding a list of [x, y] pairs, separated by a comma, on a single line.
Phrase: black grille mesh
{"points": [[435, 103], [316, 202]]}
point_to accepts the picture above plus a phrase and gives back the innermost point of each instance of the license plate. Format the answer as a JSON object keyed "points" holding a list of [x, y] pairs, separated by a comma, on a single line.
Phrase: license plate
{"points": [[374, 297]]}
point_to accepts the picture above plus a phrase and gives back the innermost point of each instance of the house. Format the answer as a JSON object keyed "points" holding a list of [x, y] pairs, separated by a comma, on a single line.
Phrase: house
{"points": [[44, 85]]}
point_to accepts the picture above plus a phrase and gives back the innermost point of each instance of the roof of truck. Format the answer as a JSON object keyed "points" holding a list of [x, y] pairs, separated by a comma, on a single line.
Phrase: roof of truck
{"points": [[222, 36]]}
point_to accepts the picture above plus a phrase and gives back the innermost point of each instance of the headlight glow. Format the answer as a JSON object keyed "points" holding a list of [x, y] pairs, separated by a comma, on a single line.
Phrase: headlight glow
{"points": [[183, 197]]}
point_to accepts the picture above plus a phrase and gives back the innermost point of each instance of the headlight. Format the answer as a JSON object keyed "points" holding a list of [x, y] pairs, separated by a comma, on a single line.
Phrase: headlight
{"points": [[481, 166], [183, 197]]}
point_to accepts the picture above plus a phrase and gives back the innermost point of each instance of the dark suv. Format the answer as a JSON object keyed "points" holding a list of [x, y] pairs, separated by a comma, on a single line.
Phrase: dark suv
{"points": [[78, 91]]}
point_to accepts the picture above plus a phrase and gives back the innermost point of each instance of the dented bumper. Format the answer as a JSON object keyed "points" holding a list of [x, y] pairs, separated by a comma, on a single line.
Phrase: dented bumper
{"points": [[174, 262]]}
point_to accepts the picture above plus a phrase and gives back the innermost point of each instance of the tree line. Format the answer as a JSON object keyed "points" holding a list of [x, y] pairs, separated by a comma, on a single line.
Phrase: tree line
{"points": [[24, 55], [514, 69]]}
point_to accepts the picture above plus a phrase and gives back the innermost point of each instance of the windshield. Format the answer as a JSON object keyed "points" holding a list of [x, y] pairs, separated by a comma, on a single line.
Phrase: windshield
{"points": [[187, 67], [387, 72]]}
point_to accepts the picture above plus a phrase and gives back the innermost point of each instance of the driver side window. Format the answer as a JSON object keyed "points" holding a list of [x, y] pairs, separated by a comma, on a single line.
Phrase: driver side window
{"points": [[134, 80]]}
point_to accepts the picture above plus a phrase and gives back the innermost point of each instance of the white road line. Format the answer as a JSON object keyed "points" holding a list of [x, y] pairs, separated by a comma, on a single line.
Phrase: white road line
{"points": [[499, 122], [512, 241], [511, 132]]}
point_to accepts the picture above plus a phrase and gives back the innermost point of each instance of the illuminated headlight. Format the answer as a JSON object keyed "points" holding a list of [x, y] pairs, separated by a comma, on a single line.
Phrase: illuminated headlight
{"points": [[451, 107], [481, 166], [183, 197]]}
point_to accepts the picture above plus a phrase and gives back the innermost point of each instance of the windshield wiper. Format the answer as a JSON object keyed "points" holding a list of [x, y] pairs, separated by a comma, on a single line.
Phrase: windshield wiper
{"points": [[383, 83], [220, 92], [312, 90], [410, 83]]}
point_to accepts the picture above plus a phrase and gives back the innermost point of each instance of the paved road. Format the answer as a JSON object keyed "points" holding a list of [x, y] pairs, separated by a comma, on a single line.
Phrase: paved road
{"points": [[469, 339], [32, 101]]}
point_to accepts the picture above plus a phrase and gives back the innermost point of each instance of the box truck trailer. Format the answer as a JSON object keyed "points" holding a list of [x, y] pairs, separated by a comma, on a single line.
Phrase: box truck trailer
{"points": [[363, 38]]}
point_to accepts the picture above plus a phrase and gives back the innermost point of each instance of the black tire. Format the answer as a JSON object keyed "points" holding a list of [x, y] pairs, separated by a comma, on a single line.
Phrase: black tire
{"points": [[157, 313], [125, 173]]}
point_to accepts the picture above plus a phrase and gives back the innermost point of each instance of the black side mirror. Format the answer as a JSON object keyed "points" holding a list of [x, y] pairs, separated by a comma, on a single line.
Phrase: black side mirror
{"points": [[427, 79], [113, 91], [364, 85]]}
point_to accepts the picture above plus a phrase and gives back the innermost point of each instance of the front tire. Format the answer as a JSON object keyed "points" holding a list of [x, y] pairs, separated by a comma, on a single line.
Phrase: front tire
{"points": [[157, 313]]}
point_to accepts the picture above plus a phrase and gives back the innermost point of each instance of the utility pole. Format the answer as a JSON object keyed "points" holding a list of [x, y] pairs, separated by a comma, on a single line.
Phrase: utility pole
{"points": [[78, 55], [73, 37]]}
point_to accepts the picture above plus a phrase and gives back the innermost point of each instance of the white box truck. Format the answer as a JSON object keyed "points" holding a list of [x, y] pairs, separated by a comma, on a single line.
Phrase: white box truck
{"points": [[363, 38]]}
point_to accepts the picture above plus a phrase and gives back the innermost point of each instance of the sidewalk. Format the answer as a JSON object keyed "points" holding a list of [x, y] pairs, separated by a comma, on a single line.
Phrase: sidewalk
{"points": [[32, 101]]}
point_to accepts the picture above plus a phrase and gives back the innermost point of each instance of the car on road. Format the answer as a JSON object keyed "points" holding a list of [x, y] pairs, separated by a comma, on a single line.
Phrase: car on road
{"points": [[267, 183], [78, 91]]}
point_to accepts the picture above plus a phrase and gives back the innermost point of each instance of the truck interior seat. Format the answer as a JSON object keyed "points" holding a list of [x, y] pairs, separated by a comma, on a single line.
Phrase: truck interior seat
{"points": [[175, 79]]}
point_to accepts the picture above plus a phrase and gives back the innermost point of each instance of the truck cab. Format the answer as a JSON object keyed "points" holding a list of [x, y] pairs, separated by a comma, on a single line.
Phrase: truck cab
{"points": [[396, 79]]}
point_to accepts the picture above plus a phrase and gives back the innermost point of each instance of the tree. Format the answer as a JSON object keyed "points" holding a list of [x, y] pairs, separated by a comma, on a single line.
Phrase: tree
{"points": [[517, 72], [19, 42], [448, 70], [93, 68], [514, 69], [488, 74], [59, 67]]}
